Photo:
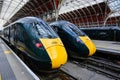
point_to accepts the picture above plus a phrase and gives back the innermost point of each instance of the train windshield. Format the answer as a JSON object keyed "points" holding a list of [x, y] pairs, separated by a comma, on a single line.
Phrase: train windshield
{"points": [[45, 31], [74, 28]]}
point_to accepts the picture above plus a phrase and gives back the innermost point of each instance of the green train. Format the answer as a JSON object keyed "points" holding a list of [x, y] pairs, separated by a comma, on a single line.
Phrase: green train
{"points": [[76, 42], [110, 33], [40, 45]]}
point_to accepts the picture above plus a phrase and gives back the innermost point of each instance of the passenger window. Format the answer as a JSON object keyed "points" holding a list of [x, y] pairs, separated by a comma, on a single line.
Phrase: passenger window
{"points": [[41, 30]]}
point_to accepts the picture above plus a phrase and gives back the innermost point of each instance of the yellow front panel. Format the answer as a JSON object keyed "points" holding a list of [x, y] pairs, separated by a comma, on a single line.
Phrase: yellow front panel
{"points": [[51, 42], [58, 56], [90, 45], [56, 51]]}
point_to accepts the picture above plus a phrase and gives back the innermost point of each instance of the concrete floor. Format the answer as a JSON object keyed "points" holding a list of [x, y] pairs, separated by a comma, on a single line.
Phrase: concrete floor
{"points": [[18, 70]]}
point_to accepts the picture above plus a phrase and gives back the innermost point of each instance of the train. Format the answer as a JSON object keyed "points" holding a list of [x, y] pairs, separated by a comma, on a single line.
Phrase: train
{"points": [[0, 32], [76, 42], [108, 33], [40, 46]]}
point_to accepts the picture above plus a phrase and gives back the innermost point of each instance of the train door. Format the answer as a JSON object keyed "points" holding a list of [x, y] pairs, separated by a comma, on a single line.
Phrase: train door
{"points": [[19, 34], [9, 34], [12, 35], [26, 39], [117, 34], [112, 35], [6, 33], [15, 34]]}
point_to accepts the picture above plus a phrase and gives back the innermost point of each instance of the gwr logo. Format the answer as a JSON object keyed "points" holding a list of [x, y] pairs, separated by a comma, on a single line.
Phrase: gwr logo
{"points": [[54, 42]]}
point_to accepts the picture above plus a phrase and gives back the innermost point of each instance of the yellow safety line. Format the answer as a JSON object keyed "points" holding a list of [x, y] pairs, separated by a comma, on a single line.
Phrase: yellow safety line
{"points": [[7, 52], [0, 77]]}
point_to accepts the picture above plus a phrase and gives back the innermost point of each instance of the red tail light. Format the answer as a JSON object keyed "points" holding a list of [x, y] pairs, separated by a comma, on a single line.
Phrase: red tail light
{"points": [[38, 45]]}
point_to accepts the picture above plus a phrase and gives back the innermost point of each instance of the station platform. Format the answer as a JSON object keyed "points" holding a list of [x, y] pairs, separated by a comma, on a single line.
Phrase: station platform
{"points": [[108, 46], [11, 67]]}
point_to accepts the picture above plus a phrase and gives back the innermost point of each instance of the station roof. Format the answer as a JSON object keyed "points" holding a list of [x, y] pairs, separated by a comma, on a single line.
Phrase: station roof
{"points": [[11, 10], [89, 13], [8, 8], [71, 5]]}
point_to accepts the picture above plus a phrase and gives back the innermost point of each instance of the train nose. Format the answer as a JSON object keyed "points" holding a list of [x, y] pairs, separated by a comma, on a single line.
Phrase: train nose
{"points": [[58, 56], [92, 48], [90, 45], [56, 51]]}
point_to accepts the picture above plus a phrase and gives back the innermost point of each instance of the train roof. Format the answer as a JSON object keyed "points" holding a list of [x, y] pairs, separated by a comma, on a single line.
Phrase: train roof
{"points": [[102, 28], [60, 22], [27, 20]]}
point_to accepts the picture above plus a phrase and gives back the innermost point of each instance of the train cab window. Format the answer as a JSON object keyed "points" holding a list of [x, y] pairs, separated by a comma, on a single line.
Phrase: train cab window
{"points": [[41, 30], [55, 28], [74, 29], [45, 31]]}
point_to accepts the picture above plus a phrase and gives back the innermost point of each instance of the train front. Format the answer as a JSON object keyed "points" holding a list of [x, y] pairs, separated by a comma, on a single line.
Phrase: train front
{"points": [[84, 44], [89, 44], [52, 44]]}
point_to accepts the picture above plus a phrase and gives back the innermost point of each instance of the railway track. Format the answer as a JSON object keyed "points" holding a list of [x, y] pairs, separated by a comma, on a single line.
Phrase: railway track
{"points": [[100, 65], [105, 63], [59, 75]]}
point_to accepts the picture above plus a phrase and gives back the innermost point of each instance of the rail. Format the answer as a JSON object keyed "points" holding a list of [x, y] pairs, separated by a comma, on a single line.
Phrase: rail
{"points": [[101, 65]]}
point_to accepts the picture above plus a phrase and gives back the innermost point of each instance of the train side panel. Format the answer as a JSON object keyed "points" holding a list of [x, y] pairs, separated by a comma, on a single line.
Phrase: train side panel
{"points": [[106, 33], [7, 34]]}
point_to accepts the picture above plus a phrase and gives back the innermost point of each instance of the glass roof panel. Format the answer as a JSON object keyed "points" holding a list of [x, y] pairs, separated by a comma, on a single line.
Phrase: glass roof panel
{"points": [[70, 5], [115, 7], [115, 14], [9, 8]]}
